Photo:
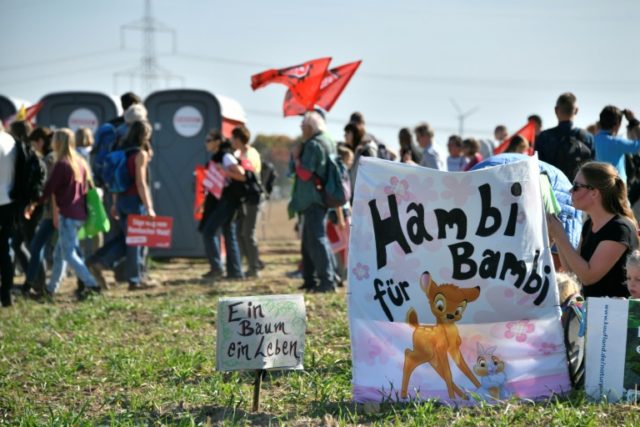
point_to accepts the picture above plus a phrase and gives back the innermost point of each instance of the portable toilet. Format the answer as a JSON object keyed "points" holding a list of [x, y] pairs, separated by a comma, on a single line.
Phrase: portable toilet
{"points": [[181, 119], [76, 109]]}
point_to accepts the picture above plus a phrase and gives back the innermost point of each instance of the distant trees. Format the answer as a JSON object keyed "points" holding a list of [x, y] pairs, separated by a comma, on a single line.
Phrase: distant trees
{"points": [[275, 149]]}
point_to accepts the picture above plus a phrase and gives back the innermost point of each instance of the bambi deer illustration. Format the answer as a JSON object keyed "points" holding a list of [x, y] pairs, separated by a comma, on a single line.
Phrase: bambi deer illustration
{"points": [[435, 343]]}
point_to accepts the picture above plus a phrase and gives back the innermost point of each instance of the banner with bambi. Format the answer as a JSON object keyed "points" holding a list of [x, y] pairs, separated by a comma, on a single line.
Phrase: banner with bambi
{"points": [[452, 288]]}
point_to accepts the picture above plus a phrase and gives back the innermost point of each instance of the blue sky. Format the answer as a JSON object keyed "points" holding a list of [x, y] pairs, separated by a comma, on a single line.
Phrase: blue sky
{"points": [[507, 58]]}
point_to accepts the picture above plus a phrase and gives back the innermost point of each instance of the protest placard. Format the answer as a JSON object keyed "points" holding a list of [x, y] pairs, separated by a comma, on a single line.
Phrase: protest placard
{"points": [[153, 232], [260, 332], [452, 286], [213, 180], [612, 365]]}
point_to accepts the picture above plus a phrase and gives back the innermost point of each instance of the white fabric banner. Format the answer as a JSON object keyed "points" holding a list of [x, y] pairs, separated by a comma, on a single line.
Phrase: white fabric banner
{"points": [[452, 289]]}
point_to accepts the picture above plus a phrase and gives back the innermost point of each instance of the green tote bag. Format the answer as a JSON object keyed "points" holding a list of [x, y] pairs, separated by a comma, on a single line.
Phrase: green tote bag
{"points": [[97, 219]]}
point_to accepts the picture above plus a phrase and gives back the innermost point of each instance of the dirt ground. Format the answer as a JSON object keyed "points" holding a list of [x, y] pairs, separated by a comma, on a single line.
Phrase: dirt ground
{"points": [[278, 244]]}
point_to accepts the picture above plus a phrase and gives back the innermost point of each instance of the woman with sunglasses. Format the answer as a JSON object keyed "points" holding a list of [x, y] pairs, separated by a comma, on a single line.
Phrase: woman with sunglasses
{"points": [[609, 234]]}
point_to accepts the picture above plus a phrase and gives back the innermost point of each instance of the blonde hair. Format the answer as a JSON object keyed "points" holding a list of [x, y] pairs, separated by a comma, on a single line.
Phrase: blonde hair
{"points": [[84, 137], [633, 260], [64, 145], [567, 286]]}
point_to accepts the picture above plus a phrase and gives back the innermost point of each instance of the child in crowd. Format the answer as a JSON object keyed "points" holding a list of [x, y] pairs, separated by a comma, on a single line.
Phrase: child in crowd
{"points": [[340, 216], [456, 161], [471, 148], [633, 274], [518, 144]]}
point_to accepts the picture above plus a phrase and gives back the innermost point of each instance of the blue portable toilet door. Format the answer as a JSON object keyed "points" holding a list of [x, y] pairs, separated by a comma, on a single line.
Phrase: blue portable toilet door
{"points": [[76, 110], [7, 108], [180, 119]]}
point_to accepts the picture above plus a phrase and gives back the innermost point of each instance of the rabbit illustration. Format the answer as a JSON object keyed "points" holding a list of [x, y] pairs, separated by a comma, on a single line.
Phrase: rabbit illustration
{"points": [[490, 369]]}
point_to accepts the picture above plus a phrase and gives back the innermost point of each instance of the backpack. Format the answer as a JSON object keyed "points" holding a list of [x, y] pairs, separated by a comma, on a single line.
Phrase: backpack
{"points": [[105, 142], [268, 177], [115, 174], [29, 176], [252, 188], [573, 323], [336, 187], [571, 153]]}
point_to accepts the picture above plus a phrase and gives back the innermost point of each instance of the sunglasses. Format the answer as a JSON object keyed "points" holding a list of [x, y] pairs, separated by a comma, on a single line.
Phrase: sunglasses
{"points": [[577, 186]]}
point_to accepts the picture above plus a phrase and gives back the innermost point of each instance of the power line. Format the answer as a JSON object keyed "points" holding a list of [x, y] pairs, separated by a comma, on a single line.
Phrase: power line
{"points": [[415, 78], [29, 80], [219, 60], [58, 60], [149, 71]]}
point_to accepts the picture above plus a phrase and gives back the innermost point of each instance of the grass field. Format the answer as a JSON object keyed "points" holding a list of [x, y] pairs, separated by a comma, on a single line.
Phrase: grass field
{"points": [[149, 359]]}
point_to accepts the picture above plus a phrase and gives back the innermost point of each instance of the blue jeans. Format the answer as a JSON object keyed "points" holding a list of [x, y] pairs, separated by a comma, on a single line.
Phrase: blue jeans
{"points": [[222, 217], [36, 268], [65, 252], [116, 248], [317, 258], [7, 213]]}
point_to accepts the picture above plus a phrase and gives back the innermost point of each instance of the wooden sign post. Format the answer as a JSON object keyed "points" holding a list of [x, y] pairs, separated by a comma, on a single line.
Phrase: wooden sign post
{"points": [[260, 333]]}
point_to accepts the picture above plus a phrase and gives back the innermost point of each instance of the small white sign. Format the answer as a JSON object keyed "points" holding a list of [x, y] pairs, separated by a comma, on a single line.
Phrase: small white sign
{"points": [[261, 332], [83, 118], [188, 121]]}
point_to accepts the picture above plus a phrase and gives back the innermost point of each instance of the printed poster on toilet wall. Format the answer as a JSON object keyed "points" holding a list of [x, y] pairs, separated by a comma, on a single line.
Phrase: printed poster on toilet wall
{"points": [[452, 286]]}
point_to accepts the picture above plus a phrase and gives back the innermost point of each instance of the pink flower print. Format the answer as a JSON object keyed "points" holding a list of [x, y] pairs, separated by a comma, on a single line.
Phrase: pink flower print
{"points": [[548, 348], [457, 187], [376, 350], [519, 330], [404, 267], [361, 271], [361, 240], [427, 190], [399, 187]]}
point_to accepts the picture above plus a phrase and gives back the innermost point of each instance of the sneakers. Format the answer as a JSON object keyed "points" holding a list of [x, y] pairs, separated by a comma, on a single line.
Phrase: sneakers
{"points": [[142, 285], [87, 291], [322, 290], [252, 274], [96, 269], [213, 274]]}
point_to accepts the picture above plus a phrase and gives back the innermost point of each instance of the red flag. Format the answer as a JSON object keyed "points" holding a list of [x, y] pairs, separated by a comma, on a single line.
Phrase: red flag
{"points": [[333, 83], [528, 131], [303, 80]]}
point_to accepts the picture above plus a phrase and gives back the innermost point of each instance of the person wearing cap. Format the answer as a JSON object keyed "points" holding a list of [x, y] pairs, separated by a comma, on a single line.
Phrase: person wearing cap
{"points": [[126, 100]]}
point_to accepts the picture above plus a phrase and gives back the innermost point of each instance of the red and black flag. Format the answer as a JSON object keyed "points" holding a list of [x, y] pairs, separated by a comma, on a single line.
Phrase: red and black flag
{"points": [[303, 80], [333, 83]]}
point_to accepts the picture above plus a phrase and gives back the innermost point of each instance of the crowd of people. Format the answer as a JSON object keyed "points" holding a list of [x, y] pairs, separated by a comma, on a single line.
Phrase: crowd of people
{"points": [[44, 181], [594, 161], [45, 175]]}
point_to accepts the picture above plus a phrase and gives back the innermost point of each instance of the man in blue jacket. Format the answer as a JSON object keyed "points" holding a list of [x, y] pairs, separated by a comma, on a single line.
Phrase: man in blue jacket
{"points": [[610, 147]]}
